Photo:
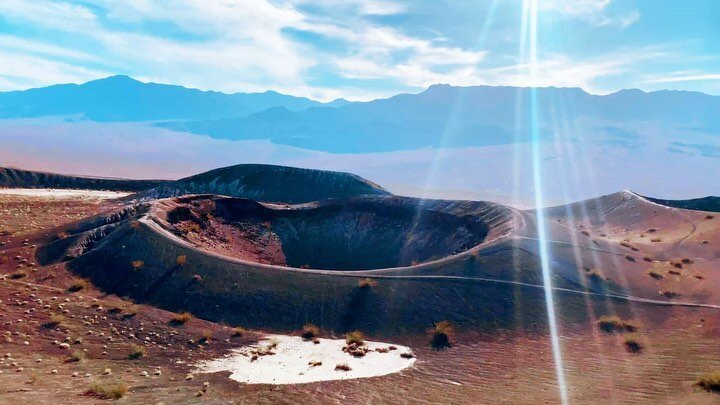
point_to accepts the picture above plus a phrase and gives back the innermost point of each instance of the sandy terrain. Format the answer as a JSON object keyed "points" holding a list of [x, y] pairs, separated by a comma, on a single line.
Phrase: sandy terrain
{"points": [[511, 363]]}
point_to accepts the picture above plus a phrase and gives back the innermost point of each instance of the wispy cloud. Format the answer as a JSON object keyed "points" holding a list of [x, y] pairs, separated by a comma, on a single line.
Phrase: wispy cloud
{"points": [[25, 71], [684, 77], [317, 48], [594, 12]]}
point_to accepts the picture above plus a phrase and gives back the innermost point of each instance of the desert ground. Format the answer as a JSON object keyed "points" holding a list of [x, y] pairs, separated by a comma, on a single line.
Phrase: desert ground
{"points": [[90, 310]]}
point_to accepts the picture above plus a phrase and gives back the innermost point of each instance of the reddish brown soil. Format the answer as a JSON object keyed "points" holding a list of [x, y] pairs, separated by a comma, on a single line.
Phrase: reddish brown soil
{"points": [[508, 366], [254, 242]]}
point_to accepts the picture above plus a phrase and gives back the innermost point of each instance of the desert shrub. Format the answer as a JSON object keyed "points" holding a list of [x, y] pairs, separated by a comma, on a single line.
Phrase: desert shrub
{"points": [[633, 344], [137, 352], [686, 260], [77, 356], [709, 381], [674, 272], [78, 285], [709, 216], [654, 274], [342, 367], [54, 321], [180, 319], [355, 337], [205, 338], [629, 258], [625, 244], [669, 293], [181, 260], [238, 332], [595, 275], [18, 274], [131, 311], [367, 283], [114, 310], [407, 355], [440, 334], [648, 259], [107, 391], [613, 323], [310, 332], [655, 240]]}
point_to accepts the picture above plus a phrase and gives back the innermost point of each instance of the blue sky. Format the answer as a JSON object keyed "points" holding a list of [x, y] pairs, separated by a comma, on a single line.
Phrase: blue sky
{"points": [[360, 49]]}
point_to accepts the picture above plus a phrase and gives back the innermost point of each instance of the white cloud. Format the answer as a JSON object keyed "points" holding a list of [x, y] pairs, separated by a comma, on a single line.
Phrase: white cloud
{"points": [[594, 12], [49, 14], [376, 7], [11, 42], [363, 7], [683, 77], [21, 71]]}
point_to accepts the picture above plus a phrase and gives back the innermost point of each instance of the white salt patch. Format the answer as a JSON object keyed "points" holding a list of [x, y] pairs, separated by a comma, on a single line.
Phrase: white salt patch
{"points": [[289, 364], [62, 193]]}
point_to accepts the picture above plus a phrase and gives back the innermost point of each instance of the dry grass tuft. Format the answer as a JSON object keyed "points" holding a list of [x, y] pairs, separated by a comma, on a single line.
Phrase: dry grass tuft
{"points": [[355, 337], [440, 334], [594, 274], [18, 274], [78, 285], [76, 357], [54, 321], [310, 332], [342, 367], [107, 391], [654, 274], [137, 352], [367, 283], [709, 382], [137, 264], [238, 332], [181, 260], [633, 344], [613, 323], [206, 337], [180, 319], [669, 294]]}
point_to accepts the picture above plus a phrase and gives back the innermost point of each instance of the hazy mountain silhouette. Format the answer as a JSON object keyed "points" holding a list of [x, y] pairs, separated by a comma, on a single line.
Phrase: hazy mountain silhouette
{"points": [[450, 116], [441, 116], [121, 98]]}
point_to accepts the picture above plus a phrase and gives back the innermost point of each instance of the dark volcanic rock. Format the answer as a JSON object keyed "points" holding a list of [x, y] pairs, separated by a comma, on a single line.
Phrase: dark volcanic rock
{"points": [[269, 183], [30, 179]]}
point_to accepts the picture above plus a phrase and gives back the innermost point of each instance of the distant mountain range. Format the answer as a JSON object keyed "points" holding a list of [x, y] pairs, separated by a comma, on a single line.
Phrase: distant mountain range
{"points": [[450, 116], [121, 98], [441, 116]]}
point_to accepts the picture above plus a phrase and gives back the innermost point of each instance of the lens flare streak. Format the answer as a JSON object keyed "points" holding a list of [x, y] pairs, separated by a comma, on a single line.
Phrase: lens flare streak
{"points": [[532, 30]]}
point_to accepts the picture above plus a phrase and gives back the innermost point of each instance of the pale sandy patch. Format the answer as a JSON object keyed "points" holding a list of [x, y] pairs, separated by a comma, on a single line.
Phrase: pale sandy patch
{"points": [[290, 363], [62, 193]]}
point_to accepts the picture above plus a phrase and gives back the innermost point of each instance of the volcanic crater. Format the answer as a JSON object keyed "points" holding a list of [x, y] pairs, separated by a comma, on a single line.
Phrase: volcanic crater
{"points": [[361, 233]]}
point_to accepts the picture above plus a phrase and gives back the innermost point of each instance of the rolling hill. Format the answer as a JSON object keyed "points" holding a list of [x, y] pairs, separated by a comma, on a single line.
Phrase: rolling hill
{"points": [[268, 183]]}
